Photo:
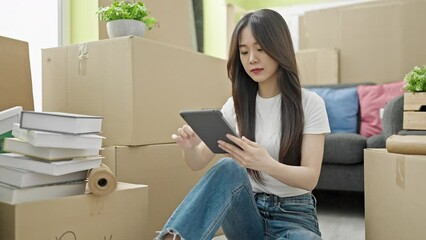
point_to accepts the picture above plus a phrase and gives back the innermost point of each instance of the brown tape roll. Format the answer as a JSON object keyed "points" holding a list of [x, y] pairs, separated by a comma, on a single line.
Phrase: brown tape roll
{"points": [[407, 144], [101, 181]]}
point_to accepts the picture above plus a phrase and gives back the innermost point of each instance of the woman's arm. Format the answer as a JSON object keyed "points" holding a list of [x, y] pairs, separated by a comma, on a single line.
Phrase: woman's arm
{"points": [[198, 157], [196, 154], [307, 174], [255, 157]]}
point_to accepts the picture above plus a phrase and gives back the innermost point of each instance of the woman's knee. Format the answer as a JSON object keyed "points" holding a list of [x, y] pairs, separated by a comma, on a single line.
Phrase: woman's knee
{"points": [[229, 165], [229, 168]]}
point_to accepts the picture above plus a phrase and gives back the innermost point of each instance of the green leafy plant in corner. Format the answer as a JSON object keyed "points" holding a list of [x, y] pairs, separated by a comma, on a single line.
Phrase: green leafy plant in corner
{"points": [[415, 80], [126, 10]]}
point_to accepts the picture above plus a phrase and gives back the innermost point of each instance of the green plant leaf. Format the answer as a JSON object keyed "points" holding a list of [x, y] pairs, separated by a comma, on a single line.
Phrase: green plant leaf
{"points": [[415, 80], [126, 10]]}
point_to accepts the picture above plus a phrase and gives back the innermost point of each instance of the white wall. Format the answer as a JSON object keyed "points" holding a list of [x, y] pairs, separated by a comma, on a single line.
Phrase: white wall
{"points": [[36, 22]]}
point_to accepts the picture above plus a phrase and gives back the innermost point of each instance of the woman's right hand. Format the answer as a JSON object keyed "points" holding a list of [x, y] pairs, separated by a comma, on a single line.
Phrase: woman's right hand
{"points": [[186, 138]]}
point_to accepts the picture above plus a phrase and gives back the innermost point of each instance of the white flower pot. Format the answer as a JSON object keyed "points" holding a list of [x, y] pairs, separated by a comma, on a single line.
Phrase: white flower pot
{"points": [[125, 27]]}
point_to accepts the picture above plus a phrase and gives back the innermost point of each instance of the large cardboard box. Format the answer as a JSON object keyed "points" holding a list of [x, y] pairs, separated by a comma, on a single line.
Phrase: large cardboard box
{"points": [[15, 75], [394, 195], [318, 66], [119, 215], [378, 41], [137, 85], [176, 25], [163, 169]]}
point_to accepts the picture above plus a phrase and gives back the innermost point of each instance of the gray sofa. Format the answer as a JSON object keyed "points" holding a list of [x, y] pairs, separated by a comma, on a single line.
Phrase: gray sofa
{"points": [[343, 162]]}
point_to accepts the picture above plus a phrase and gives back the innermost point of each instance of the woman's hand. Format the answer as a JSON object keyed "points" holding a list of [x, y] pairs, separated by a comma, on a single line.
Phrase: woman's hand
{"points": [[249, 154], [186, 138], [196, 154]]}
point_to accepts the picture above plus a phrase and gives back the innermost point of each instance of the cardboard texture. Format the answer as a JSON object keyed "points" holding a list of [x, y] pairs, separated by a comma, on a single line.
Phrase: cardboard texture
{"points": [[378, 41], [163, 169], [15, 75], [178, 31], [318, 66], [120, 215], [394, 196], [137, 85]]}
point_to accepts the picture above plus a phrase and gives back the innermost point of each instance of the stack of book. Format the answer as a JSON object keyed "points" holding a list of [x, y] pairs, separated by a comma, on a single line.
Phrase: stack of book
{"points": [[49, 156]]}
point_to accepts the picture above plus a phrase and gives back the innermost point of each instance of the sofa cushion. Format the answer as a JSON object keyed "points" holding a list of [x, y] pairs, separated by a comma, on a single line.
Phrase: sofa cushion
{"points": [[344, 148], [342, 108], [371, 99]]}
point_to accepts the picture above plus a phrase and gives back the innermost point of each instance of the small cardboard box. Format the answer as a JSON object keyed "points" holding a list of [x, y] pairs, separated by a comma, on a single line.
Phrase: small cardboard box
{"points": [[15, 75], [119, 215], [318, 66], [414, 111], [378, 41], [163, 169], [137, 85], [394, 195]]}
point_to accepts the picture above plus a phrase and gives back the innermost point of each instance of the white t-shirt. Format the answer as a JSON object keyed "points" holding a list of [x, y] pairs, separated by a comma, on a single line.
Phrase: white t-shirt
{"points": [[268, 132]]}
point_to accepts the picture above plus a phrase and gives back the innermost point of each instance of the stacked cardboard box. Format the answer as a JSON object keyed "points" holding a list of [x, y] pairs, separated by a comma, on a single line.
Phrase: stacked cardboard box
{"points": [[378, 41], [139, 86], [318, 66], [394, 196], [121, 214]]}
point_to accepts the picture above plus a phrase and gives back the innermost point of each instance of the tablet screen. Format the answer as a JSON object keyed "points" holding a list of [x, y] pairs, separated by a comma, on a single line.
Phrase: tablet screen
{"points": [[210, 125]]}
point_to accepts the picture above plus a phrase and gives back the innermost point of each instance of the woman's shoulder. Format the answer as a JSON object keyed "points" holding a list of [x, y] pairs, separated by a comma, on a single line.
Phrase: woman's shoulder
{"points": [[229, 102], [228, 107], [310, 96]]}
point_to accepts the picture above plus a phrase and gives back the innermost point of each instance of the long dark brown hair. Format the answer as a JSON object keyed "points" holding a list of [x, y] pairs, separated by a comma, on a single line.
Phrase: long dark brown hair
{"points": [[271, 32]]}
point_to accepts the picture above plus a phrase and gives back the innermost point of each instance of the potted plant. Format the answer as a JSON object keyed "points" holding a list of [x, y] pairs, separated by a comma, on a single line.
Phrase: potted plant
{"points": [[415, 80], [415, 99], [125, 18]]}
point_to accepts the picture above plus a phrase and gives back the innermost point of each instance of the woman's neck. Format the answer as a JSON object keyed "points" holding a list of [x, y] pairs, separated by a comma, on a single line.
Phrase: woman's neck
{"points": [[268, 89]]}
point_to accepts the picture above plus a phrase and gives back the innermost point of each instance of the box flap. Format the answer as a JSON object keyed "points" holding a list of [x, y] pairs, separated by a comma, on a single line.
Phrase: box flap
{"points": [[15, 75]]}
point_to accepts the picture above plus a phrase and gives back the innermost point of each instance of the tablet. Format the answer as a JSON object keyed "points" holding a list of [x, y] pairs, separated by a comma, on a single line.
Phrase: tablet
{"points": [[210, 126]]}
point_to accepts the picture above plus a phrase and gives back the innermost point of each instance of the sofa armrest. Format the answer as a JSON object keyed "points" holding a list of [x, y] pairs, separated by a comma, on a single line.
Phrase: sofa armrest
{"points": [[344, 148], [376, 141], [393, 117]]}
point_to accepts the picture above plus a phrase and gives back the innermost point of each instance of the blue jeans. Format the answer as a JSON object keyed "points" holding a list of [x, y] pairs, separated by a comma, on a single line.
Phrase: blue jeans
{"points": [[224, 197]]}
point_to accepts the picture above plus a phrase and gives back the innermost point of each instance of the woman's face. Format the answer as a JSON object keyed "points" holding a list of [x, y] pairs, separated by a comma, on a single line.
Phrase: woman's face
{"points": [[258, 65]]}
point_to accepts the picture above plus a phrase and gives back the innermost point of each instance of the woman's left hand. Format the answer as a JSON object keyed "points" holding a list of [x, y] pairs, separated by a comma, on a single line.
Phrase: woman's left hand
{"points": [[249, 154]]}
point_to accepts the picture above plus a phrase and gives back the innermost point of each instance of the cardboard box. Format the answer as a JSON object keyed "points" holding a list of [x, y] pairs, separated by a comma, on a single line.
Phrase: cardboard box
{"points": [[394, 195], [318, 66], [15, 75], [178, 31], [163, 169], [137, 85], [378, 41], [119, 215], [415, 111]]}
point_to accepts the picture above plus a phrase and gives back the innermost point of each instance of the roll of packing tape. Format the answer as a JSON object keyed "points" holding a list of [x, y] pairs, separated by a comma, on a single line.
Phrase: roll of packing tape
{"points": [[101, 181]]}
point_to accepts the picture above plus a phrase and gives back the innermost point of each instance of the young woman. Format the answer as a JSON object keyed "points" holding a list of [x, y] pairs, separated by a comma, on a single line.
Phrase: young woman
{"points": [[263, 190]]}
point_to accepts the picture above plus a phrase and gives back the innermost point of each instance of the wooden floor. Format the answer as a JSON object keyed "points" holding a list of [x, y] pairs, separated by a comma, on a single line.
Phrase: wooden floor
{"points": [[340, 215]]}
